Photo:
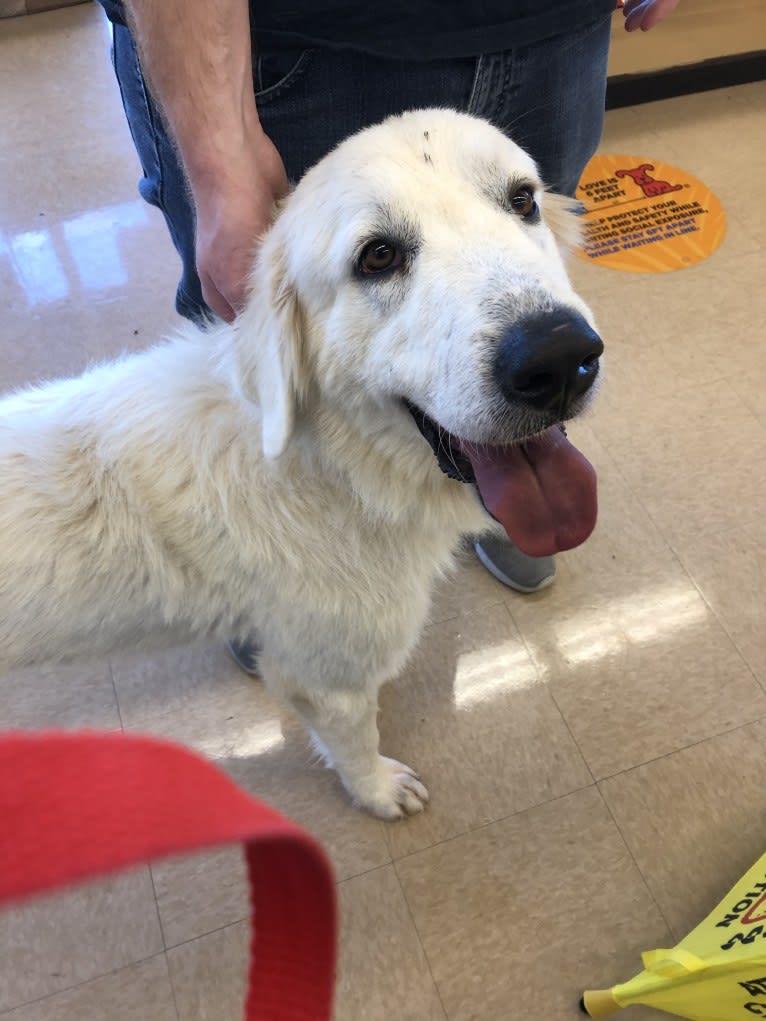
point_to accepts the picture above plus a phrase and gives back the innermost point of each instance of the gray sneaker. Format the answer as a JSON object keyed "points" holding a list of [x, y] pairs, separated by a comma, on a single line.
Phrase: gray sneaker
{"points": [[245, 655], [512, 567]]}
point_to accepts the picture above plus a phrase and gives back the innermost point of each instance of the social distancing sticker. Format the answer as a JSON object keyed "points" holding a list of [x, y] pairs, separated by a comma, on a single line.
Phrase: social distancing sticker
{"points": [[644, 216]]}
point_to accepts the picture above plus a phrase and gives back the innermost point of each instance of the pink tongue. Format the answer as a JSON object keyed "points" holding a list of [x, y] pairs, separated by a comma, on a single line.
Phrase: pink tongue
{"points": [[543, 492]]}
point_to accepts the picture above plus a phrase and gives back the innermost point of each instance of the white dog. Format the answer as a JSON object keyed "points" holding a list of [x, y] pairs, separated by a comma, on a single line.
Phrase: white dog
{"points": [[305, 473]]}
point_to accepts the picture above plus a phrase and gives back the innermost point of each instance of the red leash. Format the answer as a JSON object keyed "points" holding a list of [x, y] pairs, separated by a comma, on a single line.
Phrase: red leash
{"points": [[78, 805]]}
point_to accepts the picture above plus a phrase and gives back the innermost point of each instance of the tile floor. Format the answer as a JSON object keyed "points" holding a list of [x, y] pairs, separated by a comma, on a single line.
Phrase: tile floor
{"points": [[594, 752]]}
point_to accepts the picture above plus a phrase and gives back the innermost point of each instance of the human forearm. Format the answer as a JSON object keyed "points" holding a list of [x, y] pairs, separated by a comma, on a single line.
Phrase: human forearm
{"points": [[195, 55]]}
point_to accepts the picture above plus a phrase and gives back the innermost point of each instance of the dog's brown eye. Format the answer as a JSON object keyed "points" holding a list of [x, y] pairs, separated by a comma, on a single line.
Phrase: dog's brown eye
{"points": [[379, 256], [523, 202]]}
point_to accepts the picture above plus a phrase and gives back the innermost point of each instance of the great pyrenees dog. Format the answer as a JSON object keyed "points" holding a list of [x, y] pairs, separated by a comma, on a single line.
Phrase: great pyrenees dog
{"points": [[410, 344]]}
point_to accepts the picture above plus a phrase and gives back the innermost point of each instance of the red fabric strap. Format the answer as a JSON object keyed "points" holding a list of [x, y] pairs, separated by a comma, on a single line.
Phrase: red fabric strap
{"points": [[79, 805]]}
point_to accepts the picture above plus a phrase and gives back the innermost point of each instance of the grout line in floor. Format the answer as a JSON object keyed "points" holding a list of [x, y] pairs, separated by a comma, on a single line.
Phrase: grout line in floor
{"points": [[633, 858], [420, 942], [172, 986], [78, 985]]}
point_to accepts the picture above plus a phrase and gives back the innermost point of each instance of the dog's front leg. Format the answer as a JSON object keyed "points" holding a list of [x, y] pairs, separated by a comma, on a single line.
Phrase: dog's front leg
{"points": [[344, 728]]}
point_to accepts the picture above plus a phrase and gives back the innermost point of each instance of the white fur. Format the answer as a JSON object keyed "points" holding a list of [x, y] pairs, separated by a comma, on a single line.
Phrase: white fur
{"points": [[137, 506]]}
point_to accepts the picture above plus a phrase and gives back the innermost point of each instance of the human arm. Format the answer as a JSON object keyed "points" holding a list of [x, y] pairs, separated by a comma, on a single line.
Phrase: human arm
{"points": [[196, 57], [645, 14]]}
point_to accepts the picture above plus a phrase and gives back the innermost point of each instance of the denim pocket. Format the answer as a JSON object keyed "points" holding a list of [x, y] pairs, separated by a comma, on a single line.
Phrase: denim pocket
{"points": [[274, 73]]}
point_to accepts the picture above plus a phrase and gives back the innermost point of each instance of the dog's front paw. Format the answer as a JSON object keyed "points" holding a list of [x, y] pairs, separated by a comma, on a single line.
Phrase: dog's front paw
{"points": [[392, 792]]}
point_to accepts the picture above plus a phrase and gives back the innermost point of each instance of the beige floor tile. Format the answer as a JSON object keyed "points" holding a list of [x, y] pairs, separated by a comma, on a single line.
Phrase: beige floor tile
{"points": [[73, 695], [68, 261], [60, 40], [50, 944], [69, 246], [518, 918], [688, 123], [623, 128], [200, 893], [471, 715], [730, 572], [64, 258], [686, 456], [695, 821], [124, 995], [751, 384], [589, 281], [34, 6], [40, 349], [382, 970], [209, 975], [49, 112], [684, 127], [752, 94], [662, 338], [644, 675], [77, 243], [671, 411], [183, 684], [58, 191]]}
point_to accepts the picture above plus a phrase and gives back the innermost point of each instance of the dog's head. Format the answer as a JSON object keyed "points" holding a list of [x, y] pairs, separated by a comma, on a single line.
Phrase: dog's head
{"points": [[416, 270]]}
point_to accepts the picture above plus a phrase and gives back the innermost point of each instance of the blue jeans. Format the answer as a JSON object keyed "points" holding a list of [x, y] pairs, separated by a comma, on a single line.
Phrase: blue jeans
{"points": [[549, 97]]}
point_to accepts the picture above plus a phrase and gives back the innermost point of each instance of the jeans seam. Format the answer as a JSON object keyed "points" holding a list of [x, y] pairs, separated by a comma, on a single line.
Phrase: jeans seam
{"points": [[152, 119], [150, 115]]}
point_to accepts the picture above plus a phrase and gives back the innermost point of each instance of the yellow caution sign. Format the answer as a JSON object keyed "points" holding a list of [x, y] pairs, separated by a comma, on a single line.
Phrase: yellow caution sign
{"points": [[644, 216], [717, 973]]}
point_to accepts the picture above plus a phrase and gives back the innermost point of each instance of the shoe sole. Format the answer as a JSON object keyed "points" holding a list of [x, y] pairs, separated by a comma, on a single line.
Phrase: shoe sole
{"points": [[509, 582]]}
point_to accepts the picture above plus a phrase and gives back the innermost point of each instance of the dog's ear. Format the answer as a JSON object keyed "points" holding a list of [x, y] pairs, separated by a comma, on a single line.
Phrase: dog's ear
{"points": [[270, 343], [562, 214]]}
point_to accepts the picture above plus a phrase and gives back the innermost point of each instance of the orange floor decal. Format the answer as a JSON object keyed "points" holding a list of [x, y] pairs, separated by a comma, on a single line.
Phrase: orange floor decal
{"points": [[643, 216]]}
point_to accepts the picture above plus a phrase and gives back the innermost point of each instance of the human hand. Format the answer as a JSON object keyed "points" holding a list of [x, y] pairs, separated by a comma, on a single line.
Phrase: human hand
{"points": [[234, 206], [645, 14]]}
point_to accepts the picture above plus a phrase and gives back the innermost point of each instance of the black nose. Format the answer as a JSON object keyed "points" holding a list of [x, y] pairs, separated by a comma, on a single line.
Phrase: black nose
{"points": [[548, 359]]}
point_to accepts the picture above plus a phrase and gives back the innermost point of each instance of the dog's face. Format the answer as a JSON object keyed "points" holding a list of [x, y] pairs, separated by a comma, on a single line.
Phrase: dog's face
{"points": [[418, 272]]}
